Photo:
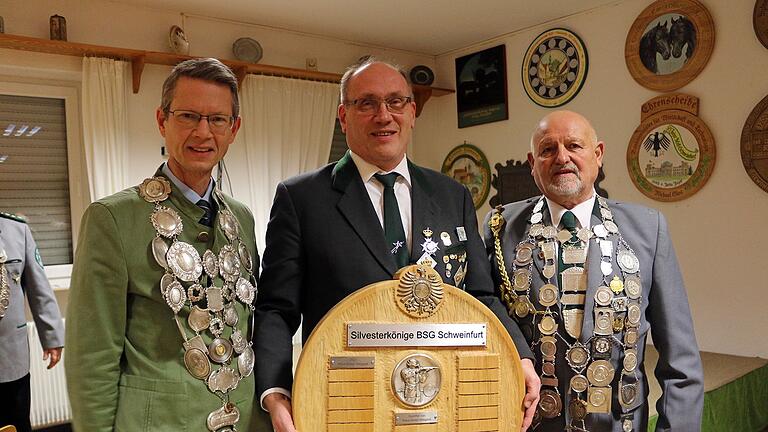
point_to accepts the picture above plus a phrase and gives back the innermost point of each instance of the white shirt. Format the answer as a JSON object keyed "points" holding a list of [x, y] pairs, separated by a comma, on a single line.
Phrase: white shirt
{"points": [[376, 191], [582, 211]]}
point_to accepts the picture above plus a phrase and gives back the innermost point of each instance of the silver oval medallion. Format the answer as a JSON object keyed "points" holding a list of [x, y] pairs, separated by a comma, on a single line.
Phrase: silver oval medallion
{"points": [[611, 227], [238, 341], [632, 287], [198, 319], [536, 218], [244, 290], [603, 296], [223, 380], [606, 213], [633, 315], [159, 251], [230, 315], [600, 231], [228, 224], [584, 234], [220, 350], [185, 262], [416, 380], [229, 264], [175, 296], [228, 415], [628, 261], [536, 230], [197, 363], [539, 205], [246, 361], [166, 221], [245, 256], [630, 360], [155, 189], [210, 264], [165, 282]]}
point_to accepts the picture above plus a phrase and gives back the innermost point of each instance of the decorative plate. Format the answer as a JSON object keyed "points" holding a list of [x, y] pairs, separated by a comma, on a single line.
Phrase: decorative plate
{"points": [[554, 68], [760, 21], [422, 75], [247, 50], [669, 44], [754, 144], [468, 165], [672, 153]]}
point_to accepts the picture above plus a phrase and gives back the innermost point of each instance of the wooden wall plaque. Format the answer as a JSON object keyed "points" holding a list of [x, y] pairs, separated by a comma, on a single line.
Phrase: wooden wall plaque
{"points": [[339, 387], [754, 144], [760, 21], [669, 44]]}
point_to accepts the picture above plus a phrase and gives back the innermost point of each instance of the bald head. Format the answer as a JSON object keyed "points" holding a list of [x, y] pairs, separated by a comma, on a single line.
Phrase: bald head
{"points": [[565, 157]]}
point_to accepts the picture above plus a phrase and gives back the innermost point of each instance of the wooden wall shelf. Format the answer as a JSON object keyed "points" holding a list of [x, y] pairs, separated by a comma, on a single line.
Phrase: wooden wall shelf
{"points": [[139, 58]]}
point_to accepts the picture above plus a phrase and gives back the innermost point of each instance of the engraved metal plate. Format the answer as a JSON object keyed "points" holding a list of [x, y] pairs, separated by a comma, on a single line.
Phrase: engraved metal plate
{"points": [[577, 356], [245, 256], [245, 290], [606, 213], [579, 383], [574, 279], [166, 221], [577, 408], [627, 394], [229, 264], [600, 373], [351, 362], [159, 251], [574, 255], [536, 230], [573, 320], [548, 271], [547, 325], [548, 249], [185, 262], [230, 315], [210, 264], [239, 344], [245, 361], [599, 399], [550, 404], [197, 363], [198, 319], [628, 261], [549, 232], [603, 321], [633, 315], [606, 248], [155, 189], [197, 343], [603, 296], [369, 335], [223, 380], [416, 380], [228, 415], [548, 295], [630, 360], [416, 418], [632, 286], [564, 235], [215, 300], [175, 296], [228, 224]]}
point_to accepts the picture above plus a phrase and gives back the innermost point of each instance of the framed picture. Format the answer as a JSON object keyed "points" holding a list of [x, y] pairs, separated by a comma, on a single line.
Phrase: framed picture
{"points": [[669, 44], [554, 67], [481, 87], [468, 165], [671, 155]]}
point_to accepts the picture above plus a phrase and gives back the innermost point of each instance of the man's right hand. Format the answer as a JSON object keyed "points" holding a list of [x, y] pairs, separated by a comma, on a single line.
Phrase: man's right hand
{"points": [[279, 407]]}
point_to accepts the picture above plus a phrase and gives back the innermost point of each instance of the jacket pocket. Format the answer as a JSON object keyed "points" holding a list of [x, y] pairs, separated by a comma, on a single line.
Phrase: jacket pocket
{"points": [[151, 405]]}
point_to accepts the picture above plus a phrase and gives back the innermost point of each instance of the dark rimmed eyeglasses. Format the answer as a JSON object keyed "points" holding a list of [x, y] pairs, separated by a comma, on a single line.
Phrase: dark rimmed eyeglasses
{"points": [[218, 123], [394, 105]]}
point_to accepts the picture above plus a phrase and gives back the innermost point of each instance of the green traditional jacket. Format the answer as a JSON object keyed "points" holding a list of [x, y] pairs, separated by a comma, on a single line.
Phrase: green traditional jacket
{"points": [[124, 361]]}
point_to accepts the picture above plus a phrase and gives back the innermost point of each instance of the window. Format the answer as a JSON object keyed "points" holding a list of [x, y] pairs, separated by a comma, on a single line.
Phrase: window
{"points": [[34, 178], [338, 144]]}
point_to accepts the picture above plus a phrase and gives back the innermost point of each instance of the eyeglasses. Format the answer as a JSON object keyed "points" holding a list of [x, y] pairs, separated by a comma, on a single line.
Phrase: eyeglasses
{"points": [[394, 105], [218, 123]]}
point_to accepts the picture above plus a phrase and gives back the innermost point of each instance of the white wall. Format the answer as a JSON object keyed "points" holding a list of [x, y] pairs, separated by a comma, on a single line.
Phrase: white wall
{"points": [[719, 232]]}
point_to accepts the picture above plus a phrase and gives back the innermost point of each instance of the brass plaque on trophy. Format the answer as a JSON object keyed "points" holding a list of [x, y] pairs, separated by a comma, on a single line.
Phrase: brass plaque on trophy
{"points": [[409, 355]]}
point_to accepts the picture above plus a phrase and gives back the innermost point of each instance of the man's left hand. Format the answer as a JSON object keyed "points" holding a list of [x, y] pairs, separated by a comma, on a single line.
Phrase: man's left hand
{"points": [[532, 387], [54, 354]]}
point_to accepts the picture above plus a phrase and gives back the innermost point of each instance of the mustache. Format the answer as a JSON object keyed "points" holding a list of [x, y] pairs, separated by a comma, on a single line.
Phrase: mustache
{"points": [[569, 167]]}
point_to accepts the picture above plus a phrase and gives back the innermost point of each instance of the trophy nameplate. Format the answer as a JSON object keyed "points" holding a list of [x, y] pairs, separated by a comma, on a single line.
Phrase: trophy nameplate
{"points": [[374, 365]]}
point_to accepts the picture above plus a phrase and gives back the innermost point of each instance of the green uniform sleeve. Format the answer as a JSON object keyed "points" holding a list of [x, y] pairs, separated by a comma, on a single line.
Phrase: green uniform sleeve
{"points": [[96, 321]]}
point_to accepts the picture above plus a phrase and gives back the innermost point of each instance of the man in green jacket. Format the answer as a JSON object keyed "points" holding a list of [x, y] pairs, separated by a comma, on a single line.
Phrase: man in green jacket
{"points": [[164, 280]]}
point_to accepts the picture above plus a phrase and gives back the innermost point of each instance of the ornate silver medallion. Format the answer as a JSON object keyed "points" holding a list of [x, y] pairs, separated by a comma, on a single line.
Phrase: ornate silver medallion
{"points": [[228, 224], [220, 350], [245, 290], [166, 221], [223, 380], [245, 361], [159, 251], [416, 380], [184, 260], [628, 261], [600, 373], [197, 363], [210, 264], [175, 296], [198, 319], [229, 264], [238, 341], [230, 315], [245, 256], [420, 292], [228, 415], [155, 189]]}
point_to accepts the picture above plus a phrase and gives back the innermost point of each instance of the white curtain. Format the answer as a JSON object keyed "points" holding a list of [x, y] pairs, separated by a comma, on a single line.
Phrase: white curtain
{"points": [[287, 129], [105, 123]]}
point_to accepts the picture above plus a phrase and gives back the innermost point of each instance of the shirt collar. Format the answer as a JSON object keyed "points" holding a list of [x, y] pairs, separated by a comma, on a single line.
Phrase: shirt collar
{"points": [[188, 192], [367, 169], [582, 211]]}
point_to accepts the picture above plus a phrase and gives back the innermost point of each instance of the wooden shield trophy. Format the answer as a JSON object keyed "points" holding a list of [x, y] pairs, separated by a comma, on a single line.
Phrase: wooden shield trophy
{"points": [[409, 355]]}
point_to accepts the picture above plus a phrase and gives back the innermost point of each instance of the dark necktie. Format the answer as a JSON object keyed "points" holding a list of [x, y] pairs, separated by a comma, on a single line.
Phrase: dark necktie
{"points": [[393, 225], [207, 218], [569, 222]]}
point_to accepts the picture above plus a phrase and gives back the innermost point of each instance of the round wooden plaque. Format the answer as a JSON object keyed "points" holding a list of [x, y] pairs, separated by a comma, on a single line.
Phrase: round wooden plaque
{"points": [[669, 44], [468, 165], [554, 67], [754, 144], [760, 21], [672, 153], [342, 386]]}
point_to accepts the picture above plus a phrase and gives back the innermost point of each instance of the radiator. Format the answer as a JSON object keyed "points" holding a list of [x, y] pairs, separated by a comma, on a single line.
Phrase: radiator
{"points": [[50, 403]]}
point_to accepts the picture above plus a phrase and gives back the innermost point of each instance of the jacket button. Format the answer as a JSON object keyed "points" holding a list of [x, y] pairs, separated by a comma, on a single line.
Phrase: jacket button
{"points": [[203, 237]]}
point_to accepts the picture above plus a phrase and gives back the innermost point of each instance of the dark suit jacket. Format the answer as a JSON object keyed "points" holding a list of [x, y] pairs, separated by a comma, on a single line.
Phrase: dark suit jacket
{"points": [[665, 312], [324, 241]]}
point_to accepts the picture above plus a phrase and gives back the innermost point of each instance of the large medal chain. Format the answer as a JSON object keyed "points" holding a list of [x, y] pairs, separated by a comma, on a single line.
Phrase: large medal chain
{"points": [[617, 309], [189, 282], [5, 289]]}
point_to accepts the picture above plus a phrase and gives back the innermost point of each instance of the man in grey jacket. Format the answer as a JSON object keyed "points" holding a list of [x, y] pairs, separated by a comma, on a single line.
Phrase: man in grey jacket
{"points": [[22, 273]]}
